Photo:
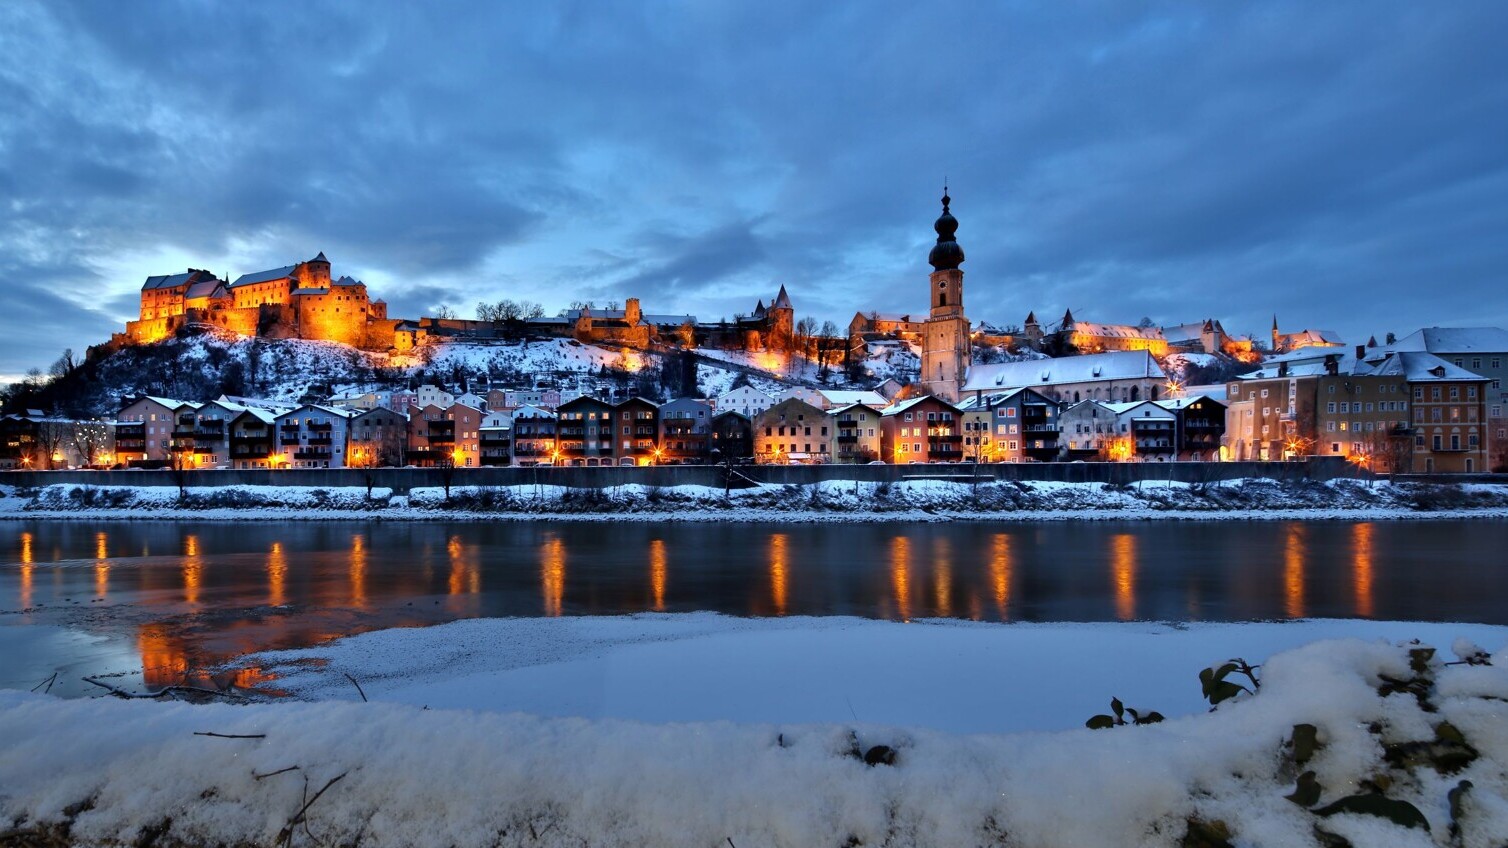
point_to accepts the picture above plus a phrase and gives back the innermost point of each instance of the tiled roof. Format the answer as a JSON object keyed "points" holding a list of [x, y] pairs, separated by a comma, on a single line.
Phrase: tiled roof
{"points": [[264, 276]]}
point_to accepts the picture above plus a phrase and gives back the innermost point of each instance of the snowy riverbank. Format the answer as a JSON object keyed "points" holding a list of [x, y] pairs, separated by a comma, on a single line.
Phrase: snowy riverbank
{"points": [[461, 772], [918, 500]]}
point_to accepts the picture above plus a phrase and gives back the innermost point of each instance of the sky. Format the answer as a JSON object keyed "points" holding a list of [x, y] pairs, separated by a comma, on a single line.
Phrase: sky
{"points": [[1343, 165]]}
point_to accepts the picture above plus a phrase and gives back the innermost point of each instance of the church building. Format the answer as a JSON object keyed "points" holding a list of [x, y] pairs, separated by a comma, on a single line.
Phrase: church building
{"points": [[946, 347]]}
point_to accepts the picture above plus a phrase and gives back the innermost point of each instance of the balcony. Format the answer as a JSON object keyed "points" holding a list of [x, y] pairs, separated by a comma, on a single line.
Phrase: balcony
{"points": [[441, 438], [643, 432], [680, 425], [325, 439], [311, 454], [848, 438], [954, 438], [1039, 428], [495, 441], [321, 427], [523, 450]]}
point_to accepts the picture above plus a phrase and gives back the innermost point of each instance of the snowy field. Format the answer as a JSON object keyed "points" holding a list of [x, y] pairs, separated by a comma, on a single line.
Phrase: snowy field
{"points": [[845, 501], [1356, 738]]}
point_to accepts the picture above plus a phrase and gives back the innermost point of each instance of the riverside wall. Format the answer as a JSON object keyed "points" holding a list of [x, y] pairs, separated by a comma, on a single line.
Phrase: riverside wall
{"points": [[401, 480]]}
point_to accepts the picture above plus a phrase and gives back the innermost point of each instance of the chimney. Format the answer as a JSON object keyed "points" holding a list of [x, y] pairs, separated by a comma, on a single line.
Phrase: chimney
{"points": [[1332, 364], [1282, 369], [1361, 352]]}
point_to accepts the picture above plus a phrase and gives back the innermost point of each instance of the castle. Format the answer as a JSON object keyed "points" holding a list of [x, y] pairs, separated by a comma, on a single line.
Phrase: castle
{"points": [[295, 301], [303, 301]]}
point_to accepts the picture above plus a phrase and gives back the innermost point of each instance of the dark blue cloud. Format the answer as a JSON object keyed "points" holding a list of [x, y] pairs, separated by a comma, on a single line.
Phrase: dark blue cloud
{"points": [[1340, 164]]}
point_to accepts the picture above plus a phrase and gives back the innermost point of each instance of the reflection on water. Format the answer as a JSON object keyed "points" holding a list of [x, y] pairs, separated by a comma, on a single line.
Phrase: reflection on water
{"points": [[192, 566], [552, 569], [1361, 544], [778, 576], [231, 589], [1000, 574], [900, 575], [657, 574], [1123, 572], [942, 578], [277, 576], [1293, 572]]}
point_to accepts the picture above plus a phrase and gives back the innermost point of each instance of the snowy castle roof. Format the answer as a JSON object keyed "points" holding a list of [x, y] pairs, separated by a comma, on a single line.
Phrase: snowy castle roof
{"points": [[1116, 365], [264, 276]]}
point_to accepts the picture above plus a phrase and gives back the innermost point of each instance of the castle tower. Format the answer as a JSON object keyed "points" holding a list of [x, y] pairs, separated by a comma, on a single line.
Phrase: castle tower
{"points": [[781, 317], [946, 347]]}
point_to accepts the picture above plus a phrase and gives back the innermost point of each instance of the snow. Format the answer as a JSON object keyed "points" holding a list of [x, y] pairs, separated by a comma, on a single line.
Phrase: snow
{"points": [[1116, 365], [441, 777], [943, 674], [835, 500]]}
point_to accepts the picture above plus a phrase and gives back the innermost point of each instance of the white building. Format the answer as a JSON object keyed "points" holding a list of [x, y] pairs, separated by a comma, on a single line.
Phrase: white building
{"points": [[1115, 377], [313, 437], [745, 400], [1151, 428]]}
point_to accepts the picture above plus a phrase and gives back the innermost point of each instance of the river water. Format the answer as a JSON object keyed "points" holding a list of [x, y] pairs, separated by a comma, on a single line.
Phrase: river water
{"points": [[158, 601]]}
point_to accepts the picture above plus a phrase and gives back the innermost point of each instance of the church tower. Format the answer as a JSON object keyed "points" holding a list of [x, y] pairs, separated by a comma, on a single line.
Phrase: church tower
{"points": [[946, 347]]}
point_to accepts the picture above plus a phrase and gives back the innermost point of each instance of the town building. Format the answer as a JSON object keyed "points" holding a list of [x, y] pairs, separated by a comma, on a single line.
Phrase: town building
{"points": [[534, 436], [584, 431], [35, 441], [1148, 429], [495, 438], [1290, 342], [312, 436], [732, 437], [947, 349], [685, 431], [448, 437], [921, 429], [377, 438], [1115, 377], [252, 443], [1482, 351], [857, 438], [1201, 426], [1091, 431], [745, 400], [792, 432], [1019, 425], [638, 432], [144, 430]]}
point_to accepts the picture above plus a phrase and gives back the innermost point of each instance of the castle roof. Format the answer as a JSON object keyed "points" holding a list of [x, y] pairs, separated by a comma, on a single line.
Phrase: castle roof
{"points": [[347, 281], [172, 281], [782, 300], [1115, 365], [1116, 331], [282, 273], [205, 288], [306, 291], [320, 258]]}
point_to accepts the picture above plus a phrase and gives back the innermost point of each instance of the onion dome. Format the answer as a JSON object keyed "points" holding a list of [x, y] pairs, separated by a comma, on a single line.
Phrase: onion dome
{"points": [[946, 255]]}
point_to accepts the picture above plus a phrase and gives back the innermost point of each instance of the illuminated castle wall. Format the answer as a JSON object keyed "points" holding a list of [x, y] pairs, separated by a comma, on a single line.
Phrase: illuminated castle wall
{"points": [[296, 301]]}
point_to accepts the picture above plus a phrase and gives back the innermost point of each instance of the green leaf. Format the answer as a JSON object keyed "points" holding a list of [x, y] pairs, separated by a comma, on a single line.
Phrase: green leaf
{"points": [[1419, 659], [1307, 794], [1117, 707], [1398, 812], [1100, 722], [1223, 691], [1304, 742]]}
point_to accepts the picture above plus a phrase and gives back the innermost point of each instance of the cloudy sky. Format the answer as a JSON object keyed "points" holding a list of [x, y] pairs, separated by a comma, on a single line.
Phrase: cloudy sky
{"points": [[1342, 164]]}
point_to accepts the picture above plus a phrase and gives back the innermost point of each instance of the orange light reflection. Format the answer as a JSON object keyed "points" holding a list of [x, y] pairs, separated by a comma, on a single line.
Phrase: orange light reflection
{"points": [[900, 575], [778, 572], [1000, 574], [1293, 572], [552, 576], [942, 576], [101, 565], [26, 570], [1361, 543], [277, 575], [193, 567], [1123, 568], [657, 573]]}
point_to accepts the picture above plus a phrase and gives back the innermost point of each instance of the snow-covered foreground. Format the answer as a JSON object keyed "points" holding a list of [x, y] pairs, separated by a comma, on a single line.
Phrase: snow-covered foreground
{"points": [[1385, 723], [945, 674], [838, 500]]}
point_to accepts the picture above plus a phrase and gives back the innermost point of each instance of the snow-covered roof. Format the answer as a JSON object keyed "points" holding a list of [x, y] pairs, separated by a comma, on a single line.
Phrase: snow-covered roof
{"points": [[910, 402], [531, 411], [1181, 402], [891, 317], [1455, 340], [171, 403], [1132, 409], [1418, 367], [1116, 365], [1182, 333], [843, 397], [1219, 392], [669, 320], [1119, 331], [846, 407], [169, 281], [205, 288], [264, 276], [1320, 337]]}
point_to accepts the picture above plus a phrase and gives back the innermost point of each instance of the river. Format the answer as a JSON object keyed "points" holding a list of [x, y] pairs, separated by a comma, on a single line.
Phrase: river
{"points": [[158, 601]]}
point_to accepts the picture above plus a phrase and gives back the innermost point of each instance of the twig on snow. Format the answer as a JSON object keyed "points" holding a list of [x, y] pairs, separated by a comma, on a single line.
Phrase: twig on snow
{"points": [[256, 776], [285, 836], [231, 735], [358, 688]]}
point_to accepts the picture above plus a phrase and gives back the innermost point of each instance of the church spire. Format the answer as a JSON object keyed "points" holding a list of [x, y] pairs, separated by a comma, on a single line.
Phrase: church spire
{"points": [[946, 255]]}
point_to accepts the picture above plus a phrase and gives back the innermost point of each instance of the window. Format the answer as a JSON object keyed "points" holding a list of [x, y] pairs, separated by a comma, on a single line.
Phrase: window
{"points": [[1330, 407], [1345, 407], [1330, 426], [1011, 444], [1471, 392], [1332, 389], [1335, 447], [1476, 363], [908, 416], [1264, 393], [1436, 442], [1418, 393]]}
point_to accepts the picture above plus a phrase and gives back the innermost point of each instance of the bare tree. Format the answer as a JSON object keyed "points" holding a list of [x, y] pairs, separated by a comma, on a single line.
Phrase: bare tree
{"points": [[90, 441], [445, 313]]}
